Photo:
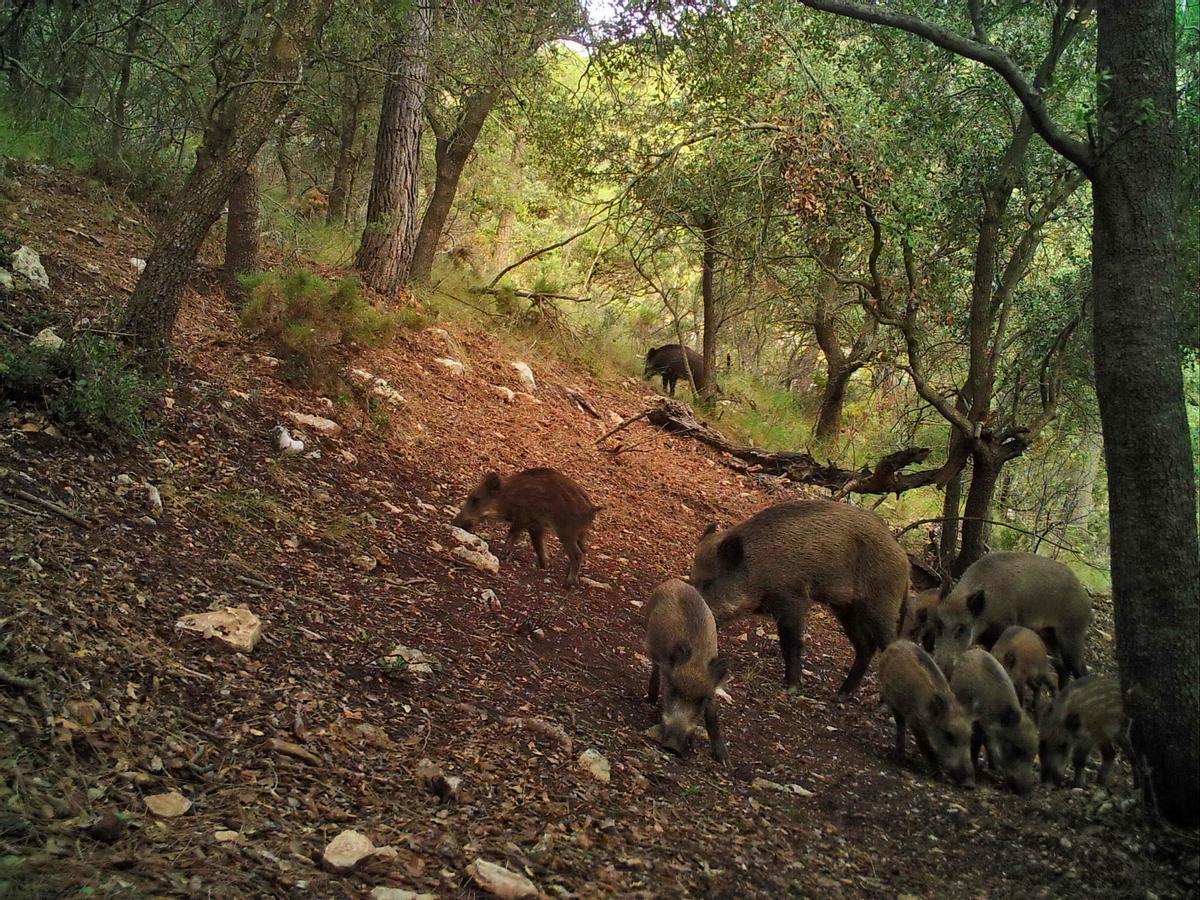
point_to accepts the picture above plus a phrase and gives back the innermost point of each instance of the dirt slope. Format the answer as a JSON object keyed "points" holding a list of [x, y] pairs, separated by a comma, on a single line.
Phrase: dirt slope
{"points": [[524, 681]]}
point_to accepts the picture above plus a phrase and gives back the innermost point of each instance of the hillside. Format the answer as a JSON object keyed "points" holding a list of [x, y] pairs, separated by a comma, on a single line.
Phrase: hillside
{"points": [[346, 556]]}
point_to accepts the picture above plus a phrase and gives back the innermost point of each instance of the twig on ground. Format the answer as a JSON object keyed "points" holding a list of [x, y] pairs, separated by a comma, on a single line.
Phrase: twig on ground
{"points": [[625, 424], [53, 507]]}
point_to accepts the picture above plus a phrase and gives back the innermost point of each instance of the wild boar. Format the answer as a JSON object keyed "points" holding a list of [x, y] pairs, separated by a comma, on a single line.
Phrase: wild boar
{"points": [[917, 614], [667, 361], [1024, 657], [533, 501], [1004, 589], [998, 721], [916, 691], [681, 641], [781, 560], [1087, 714]]}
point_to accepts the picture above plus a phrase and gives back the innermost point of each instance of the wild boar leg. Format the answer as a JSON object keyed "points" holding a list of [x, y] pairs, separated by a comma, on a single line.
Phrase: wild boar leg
{"points": [[510, 541], [575, 559], [1071, 651], [901, 734], [652, 688], [1080, 759], [977, 742], [719, 751], [864, 648], [1107, 754], [790, 614], [537, 537]]}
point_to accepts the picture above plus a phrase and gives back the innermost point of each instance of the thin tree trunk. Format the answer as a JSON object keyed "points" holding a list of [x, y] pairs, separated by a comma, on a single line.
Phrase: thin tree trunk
{"points": [[230, 143], [951, 503], [985, 470], [291, 180], [1151, 484], [241, 232], [837, 372], [833, 400], [708, 297], [343, 169], [385, 254], [451, 158]]}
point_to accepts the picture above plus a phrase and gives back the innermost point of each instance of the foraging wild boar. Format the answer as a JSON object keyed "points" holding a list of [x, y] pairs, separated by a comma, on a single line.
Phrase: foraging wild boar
{"points": [[681, 641], [667, 361], [1024, 657], [1087, 714], [1004, 589], [916, 692], [781, 560], [532, 501], [917, 615], [999, 724]]}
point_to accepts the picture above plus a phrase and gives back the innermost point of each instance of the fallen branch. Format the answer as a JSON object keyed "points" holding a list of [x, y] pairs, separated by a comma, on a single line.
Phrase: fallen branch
{"points": [[625, 424], [583, 403], [53, 507], [287, 748], [536, 296], [17, 681], [549, 729]]}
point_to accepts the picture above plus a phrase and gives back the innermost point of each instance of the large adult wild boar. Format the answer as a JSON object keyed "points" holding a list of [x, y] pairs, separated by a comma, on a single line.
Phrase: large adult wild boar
{"points": [[1004, 589], [668, 361], [783, 559]]}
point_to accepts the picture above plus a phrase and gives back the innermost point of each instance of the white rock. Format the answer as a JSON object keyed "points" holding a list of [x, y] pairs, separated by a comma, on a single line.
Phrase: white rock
{"points": [[480, 559], [346, 851], [594, 763], [147, 520], [592, 582], [137, 264], [798, 790], [285, 443], [168, 805], [316, 423], [235, 626], [124, 479], [365, 563], [7, 284], [347, 457], [474, 541], [526, 375], [529, 397], [46, 339], [28, 265], [505, 394], [762, 784], [154, 502], [499, 881], [227, 837], [453, 366], [391, 893]]}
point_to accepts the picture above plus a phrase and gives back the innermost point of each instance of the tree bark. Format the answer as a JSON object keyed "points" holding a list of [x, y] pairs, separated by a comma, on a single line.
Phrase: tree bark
{"points": [[708, 298], [985, 471], [833, 399], [287, 168], [232, 138], [1151, 484], [385, 255], [340, 191], [951, 504], [450, 157], [241, 232]]}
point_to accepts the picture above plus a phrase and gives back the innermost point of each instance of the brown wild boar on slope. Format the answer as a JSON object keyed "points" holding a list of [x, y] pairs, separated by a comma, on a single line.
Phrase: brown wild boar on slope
{"points": [[1087, 714], [1010, 736], [783, 559], [533, 501], [1004, 589], [681, 641], [916, 691], [1024, 657]]}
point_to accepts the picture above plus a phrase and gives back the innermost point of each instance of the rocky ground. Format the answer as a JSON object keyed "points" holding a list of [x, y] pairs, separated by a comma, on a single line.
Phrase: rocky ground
{"points": [[138, 758]]}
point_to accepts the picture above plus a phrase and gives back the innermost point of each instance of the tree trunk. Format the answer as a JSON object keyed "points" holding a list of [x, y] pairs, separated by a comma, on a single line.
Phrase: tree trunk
{"points": [[837, 371], [347, 159], [708, 297], [231, 140], [833, 399], [385, 254], [948, 545], [451, 158], [291, 179], [241, 232], [1151, 483], [985, 470]]}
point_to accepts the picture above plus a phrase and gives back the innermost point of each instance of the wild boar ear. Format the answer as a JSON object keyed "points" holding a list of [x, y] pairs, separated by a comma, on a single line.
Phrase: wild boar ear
{"points": [[1010, 659], [492, 482], [1072, 722], [679, 654], [938, 707], [718, 667], [976, 604], [1010, 717], [731, 552], [710, 528]]}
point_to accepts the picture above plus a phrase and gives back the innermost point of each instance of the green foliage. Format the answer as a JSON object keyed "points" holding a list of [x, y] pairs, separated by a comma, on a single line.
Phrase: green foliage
{"points": [[316, 325], [62, 139], [89, 386]]}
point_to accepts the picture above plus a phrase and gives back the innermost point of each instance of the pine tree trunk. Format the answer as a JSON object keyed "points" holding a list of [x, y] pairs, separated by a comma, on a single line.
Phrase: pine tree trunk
{"points": [[390, 236], [985, 471], [241, 232], [708, 297], [450, 164], [1152, 491], [231, 141]]}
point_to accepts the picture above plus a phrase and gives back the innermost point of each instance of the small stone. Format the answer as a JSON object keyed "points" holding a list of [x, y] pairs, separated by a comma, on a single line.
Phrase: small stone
{"points": [[154, 502], [526, 375], [148, 521], [499, 881], [28, 265], [346, 851], [453, 366], [762, 784], [47, 339], [413, 661], [594, 763], [480, 559], [391, 893], [365, 563], [316, 423], [235, 626], [432, 779], [227, 837], [285, 443], [137, 264], [124, 479], [599, 585], [168, 805], [505, 394]]}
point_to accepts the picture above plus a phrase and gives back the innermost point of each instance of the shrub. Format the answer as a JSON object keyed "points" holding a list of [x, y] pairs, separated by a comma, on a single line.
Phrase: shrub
{"points": [[89, 386], [316, 325]]}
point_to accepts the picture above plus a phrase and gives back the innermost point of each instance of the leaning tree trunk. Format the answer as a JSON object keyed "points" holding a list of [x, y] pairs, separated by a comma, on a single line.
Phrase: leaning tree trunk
{"points": [[1151, 483], [985, 471], [241, 232], [833, 401], [385, 254], [450, 158], [708, 297], [230, 143]]}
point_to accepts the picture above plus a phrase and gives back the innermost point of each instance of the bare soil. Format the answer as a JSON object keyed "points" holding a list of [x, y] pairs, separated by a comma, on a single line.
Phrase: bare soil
{"points": [[128, 706]]}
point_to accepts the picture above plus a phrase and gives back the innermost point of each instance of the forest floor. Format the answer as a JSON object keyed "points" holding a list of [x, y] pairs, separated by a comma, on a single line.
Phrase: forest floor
{"points": [[318, 729]]}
